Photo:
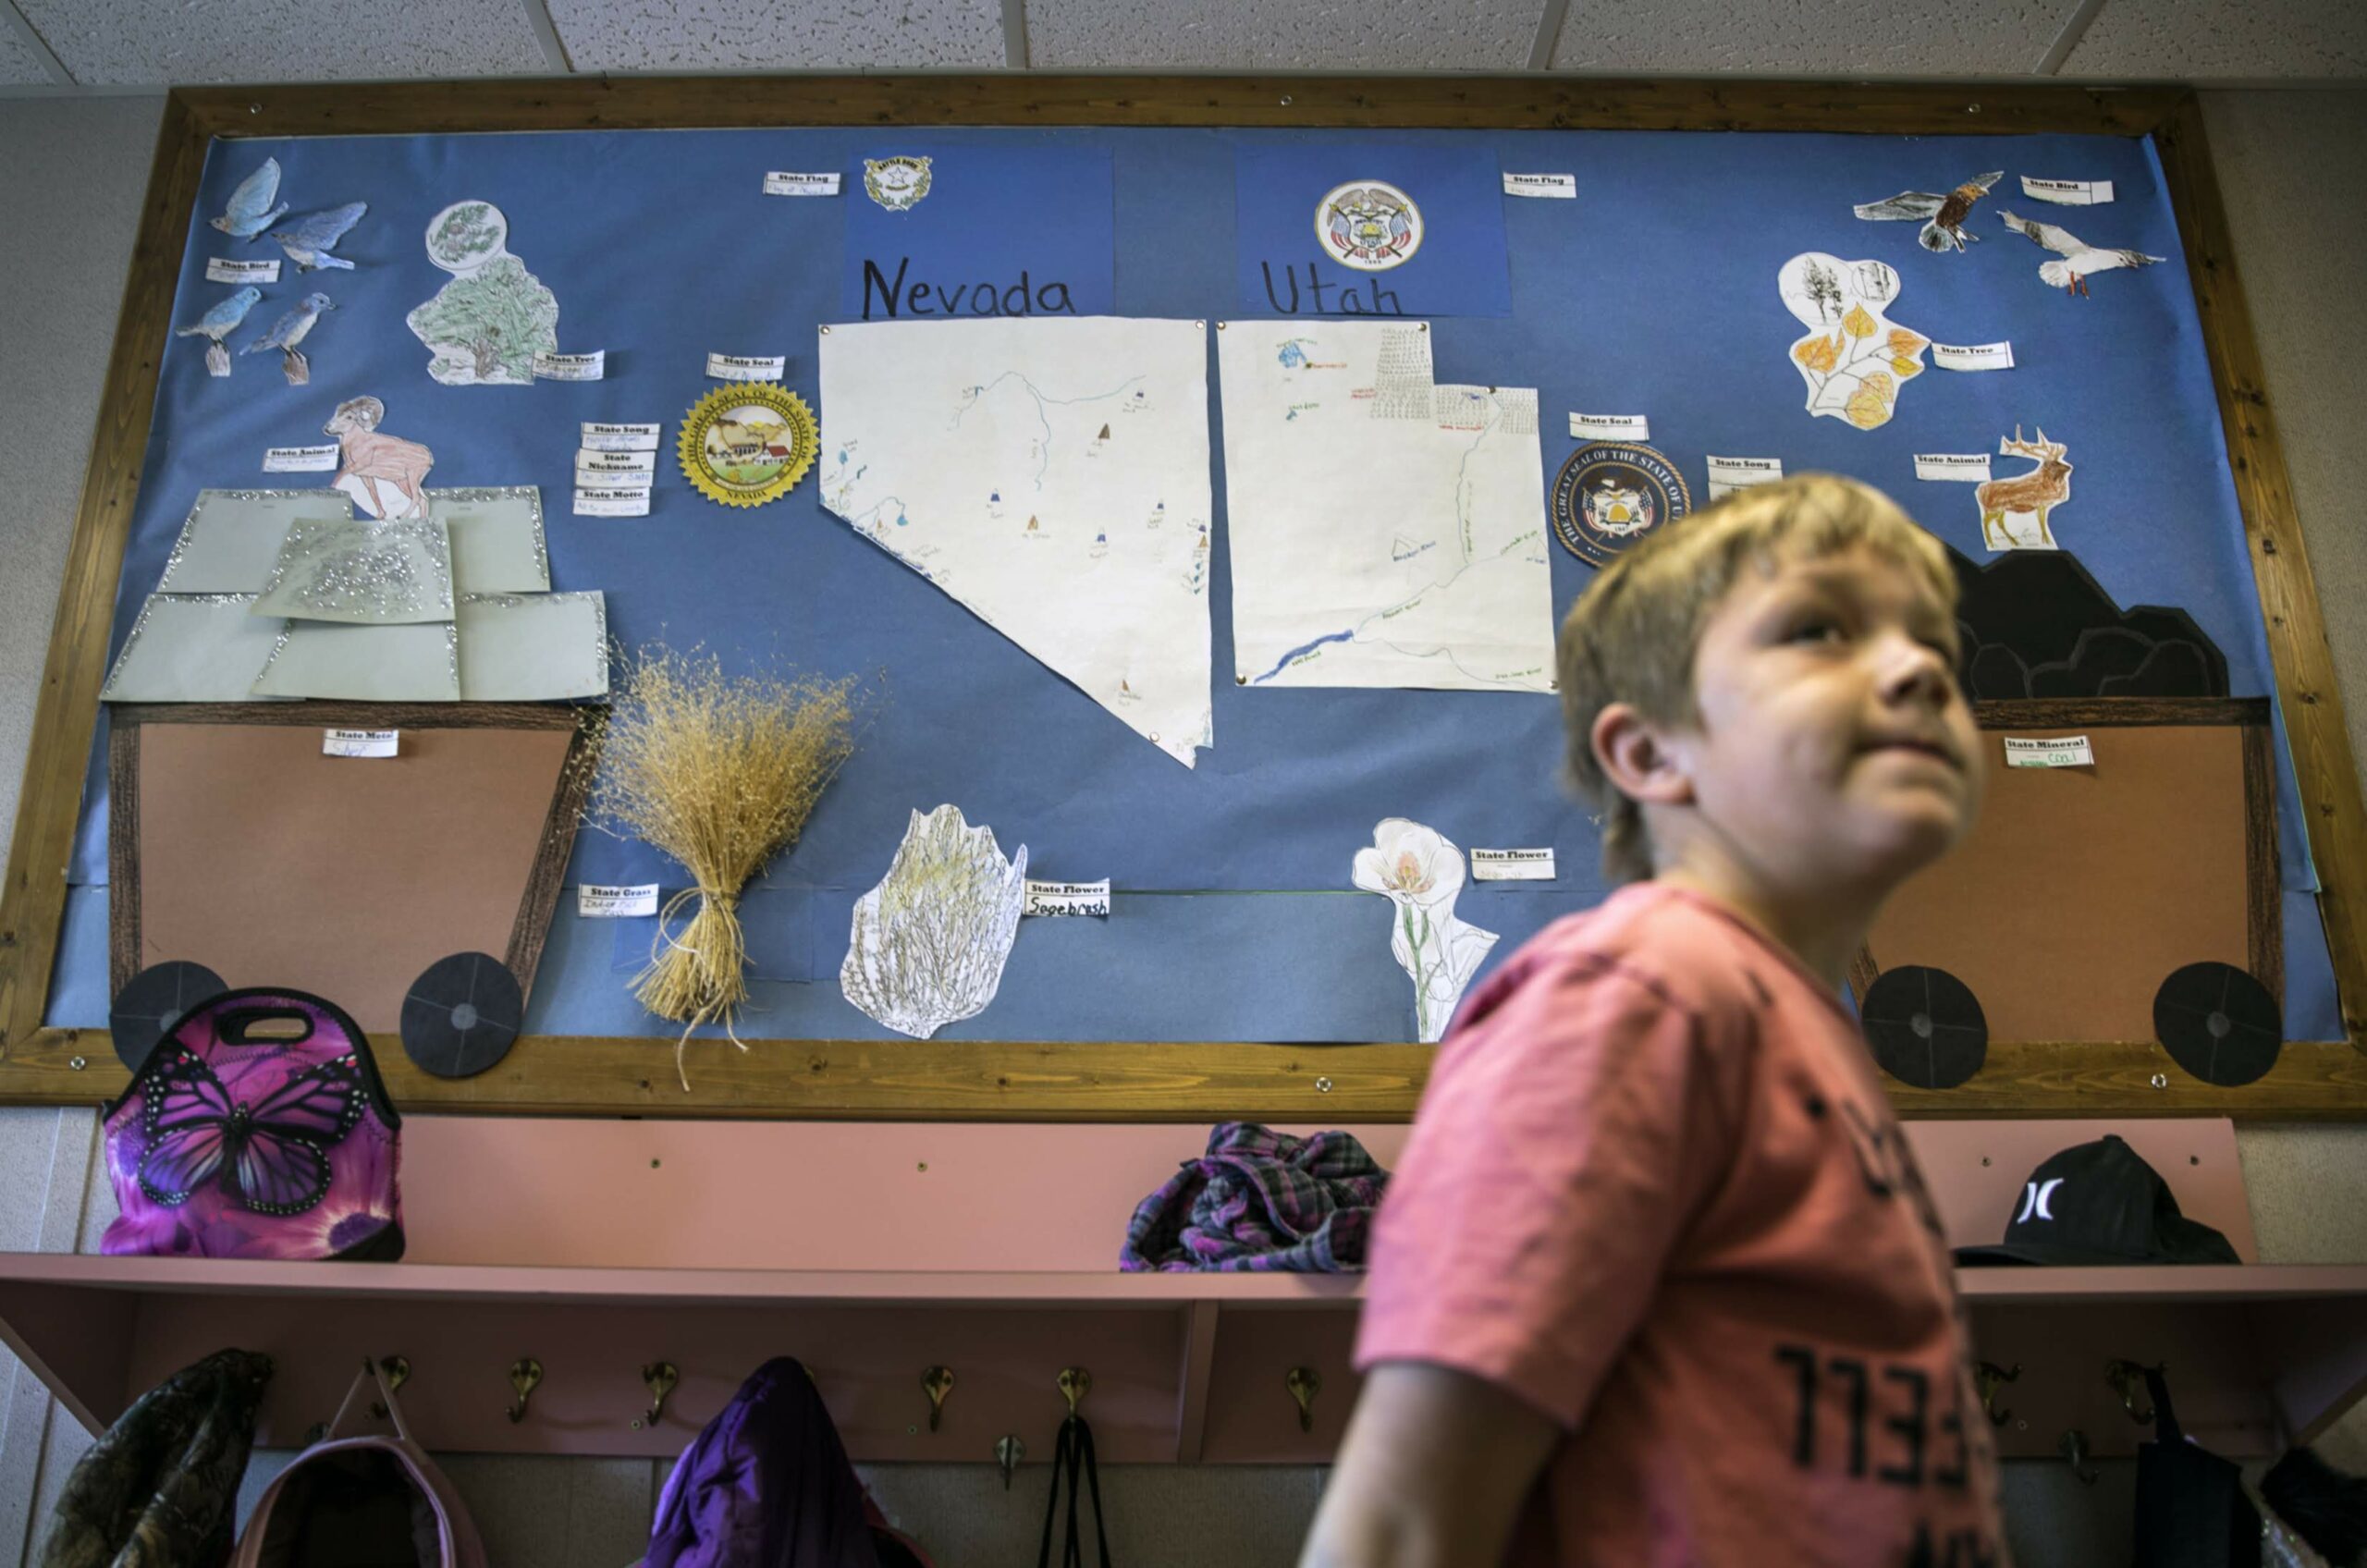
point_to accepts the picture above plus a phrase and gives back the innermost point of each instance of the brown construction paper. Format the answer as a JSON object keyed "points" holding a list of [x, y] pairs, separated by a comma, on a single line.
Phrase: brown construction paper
{"points": [[2081, 888], [273, 864]]}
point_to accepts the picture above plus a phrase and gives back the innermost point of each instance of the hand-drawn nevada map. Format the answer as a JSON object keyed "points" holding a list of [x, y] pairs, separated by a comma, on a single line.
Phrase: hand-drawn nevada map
{"points": [[1385, 530], [1052, 475]]}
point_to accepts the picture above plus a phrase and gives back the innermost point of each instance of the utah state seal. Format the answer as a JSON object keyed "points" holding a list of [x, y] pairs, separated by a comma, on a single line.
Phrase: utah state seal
{"points": [[1610, 494]]}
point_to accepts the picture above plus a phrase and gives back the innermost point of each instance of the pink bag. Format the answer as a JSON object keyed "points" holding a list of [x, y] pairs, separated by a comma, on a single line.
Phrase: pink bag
{"points": [[361, 1503]]}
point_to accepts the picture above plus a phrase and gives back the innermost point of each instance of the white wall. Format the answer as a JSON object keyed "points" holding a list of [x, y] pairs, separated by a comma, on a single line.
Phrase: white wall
{"points": [[2293, 165]]}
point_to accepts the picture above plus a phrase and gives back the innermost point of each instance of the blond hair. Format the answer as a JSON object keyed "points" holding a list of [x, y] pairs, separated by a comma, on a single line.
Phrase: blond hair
{"points": [[1631, 636]]}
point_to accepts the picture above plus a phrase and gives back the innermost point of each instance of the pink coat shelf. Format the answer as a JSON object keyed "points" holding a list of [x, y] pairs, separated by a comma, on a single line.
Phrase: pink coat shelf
{"points": [[874, 1253]]}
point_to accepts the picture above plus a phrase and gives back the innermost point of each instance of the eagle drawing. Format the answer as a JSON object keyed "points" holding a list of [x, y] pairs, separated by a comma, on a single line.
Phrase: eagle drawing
{"points": [[1944, 216]]}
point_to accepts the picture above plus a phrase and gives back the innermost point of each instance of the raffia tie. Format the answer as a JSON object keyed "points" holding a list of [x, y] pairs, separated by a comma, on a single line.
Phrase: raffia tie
{"points": [[701, 975]]}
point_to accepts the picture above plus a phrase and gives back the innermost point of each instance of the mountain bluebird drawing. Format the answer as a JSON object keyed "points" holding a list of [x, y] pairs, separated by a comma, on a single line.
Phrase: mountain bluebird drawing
{"points": [[310, 238], [249, 211], [288, 332], [219, 323]]}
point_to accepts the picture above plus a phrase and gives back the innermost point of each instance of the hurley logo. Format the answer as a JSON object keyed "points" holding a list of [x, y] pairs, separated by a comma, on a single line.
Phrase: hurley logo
{"points": [[2037, 1198]]}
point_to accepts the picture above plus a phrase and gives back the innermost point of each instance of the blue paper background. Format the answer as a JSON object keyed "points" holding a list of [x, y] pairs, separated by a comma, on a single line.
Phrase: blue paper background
{"points": [[1459, 269], [1654, 292], [993, 211]]}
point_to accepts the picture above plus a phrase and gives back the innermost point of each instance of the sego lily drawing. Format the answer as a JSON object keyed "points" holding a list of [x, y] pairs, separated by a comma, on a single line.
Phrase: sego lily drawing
{"points": [[1420, 873]]}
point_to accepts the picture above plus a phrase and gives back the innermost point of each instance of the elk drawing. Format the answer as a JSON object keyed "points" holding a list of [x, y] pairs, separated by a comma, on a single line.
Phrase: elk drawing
{"points": [[2031, 494]]}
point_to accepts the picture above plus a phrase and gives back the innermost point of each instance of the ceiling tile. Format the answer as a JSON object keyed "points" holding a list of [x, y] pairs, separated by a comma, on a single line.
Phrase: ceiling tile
{"points": [[18, 65], [109, 41], [1812, 37], [726, 35], [1282, 34], [2224, 39]]}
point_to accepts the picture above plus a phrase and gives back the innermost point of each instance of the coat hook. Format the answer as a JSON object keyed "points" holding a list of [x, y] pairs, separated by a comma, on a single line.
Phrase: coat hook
{"points": [[1075, 1382], [1990, 1378], [938, 1382], [397, 1370], [1007, 1454], [524, 1374], [658, 1378], [2074, 1447], [1304, 1383], [2125, 1378]]}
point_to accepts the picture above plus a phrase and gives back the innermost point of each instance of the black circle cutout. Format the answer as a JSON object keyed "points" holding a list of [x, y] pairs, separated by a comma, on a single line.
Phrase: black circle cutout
{"points": [[2219, 1023], [153, 1002], [1925, 1026], [462, 1015]]}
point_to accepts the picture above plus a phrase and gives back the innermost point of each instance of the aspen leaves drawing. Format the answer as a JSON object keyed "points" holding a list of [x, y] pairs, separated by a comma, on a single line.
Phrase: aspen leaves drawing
{"points": [[1854, 359]]}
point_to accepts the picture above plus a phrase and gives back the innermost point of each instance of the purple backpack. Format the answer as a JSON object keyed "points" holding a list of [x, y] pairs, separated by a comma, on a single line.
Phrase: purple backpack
{"points": [[257, 1128]]}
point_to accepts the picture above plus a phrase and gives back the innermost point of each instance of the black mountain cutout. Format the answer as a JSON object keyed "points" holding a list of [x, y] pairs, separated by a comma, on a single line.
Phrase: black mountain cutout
{"points": [[2035, 624]]}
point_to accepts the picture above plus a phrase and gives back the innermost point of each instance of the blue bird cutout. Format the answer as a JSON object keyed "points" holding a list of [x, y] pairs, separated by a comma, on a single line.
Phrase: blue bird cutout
{"points": [[249, 211], [225, 317], [310, 238], [288, 332], [219, 323]]}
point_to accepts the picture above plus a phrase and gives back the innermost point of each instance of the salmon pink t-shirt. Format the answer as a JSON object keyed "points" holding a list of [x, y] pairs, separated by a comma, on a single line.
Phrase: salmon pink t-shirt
{"points": [[1656, 1191]]}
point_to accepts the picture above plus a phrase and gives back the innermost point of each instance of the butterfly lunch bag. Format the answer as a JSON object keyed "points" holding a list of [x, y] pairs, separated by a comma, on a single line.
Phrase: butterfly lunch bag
{"points": [[257, 1127]]}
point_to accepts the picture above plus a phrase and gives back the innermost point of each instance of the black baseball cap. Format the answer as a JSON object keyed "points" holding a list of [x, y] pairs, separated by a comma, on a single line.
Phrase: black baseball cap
{"points": [[2100, 1203]]}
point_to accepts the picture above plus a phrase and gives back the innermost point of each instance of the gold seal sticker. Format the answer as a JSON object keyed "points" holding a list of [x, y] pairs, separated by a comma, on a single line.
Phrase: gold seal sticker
{"points": [[748, 443]]}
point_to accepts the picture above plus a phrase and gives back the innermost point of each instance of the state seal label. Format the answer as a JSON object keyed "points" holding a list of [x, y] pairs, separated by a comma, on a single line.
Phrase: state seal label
{"points": [[748, 443], [897, 183], [1612, 493], [1368, 224]]}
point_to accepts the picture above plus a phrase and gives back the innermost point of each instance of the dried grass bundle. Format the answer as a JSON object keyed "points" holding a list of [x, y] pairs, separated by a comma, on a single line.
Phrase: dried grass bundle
{"points": [[721, 772]]}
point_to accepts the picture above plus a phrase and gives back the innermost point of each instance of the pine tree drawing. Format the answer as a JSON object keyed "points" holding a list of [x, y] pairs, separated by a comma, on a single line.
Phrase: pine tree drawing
{"points": [[488, 326]]}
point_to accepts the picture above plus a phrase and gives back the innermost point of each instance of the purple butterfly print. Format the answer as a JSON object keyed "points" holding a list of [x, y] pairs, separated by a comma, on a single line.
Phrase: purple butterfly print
{"points": [[275, 1153]]}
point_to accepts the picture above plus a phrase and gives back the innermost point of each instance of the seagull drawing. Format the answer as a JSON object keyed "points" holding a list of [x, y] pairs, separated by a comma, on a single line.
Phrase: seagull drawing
{"points": [[288, 332], [1945, 216], [249, 211], [2079, 258], [310, 238], [219, 323]]}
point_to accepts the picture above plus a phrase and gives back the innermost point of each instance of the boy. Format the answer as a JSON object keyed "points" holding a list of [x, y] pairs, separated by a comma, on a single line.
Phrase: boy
{"points": [[1656, 1282]]}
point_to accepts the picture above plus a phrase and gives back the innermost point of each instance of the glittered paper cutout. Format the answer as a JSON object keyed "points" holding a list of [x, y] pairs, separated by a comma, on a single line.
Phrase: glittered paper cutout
{"points": [[1854, 359], [193, 648], [358, 570]]}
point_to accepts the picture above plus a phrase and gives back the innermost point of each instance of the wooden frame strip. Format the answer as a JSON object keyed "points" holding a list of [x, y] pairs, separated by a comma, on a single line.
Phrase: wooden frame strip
{"points": [[1159, 1081], [2323, 770]]}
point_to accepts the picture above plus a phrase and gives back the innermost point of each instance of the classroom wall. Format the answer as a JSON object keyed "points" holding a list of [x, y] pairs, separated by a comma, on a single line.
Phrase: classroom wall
{"points": [[2293, 166]]}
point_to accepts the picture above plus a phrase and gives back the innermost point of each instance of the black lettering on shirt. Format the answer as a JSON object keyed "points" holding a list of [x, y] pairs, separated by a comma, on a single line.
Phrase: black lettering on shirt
{"points": [[1804, 1430], [1911, 1426]]}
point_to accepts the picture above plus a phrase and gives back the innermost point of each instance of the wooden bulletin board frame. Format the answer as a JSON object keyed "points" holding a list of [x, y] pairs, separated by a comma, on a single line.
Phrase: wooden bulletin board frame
{"points": [[1137, 1081]]}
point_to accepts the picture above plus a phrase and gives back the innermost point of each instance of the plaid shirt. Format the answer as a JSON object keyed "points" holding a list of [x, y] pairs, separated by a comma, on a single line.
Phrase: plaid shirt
{"points": [[1260, 1200]]}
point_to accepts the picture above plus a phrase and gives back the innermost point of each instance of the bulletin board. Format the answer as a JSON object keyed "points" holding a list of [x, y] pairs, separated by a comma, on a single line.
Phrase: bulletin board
{"points": [[1239, 971]]}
